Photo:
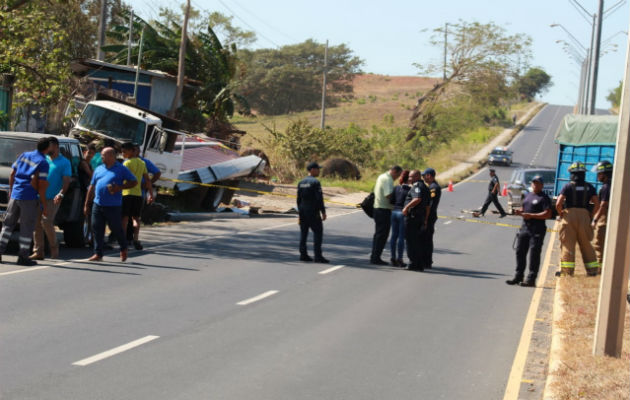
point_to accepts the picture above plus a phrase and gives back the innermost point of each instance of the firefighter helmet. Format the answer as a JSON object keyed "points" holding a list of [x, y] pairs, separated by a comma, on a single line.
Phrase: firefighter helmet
{"points": [[577, 166], [603, 166]]}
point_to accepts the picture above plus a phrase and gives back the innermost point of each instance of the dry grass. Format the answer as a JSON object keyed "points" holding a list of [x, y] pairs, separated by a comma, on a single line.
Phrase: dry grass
{"points": [[583, 375]]}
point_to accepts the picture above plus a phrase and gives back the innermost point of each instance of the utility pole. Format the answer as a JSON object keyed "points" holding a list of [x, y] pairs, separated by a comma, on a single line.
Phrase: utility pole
{"points": [[135, 85], [100, 54], [611, 309], [445, 47], [182, 61], [595, 55], [130, 36], [323, 119], [580, 102]]}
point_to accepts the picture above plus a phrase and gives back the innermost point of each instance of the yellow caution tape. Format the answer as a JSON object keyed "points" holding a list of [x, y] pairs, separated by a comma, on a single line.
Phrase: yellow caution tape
{"points": [[481, 221], [292, 196]]}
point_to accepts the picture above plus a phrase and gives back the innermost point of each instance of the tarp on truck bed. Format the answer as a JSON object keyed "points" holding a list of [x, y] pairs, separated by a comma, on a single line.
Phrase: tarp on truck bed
{"points": [[588, 130]]}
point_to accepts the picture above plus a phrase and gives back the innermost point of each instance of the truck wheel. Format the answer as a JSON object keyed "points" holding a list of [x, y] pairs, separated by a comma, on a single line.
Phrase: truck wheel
{"points": [[75, 234]]}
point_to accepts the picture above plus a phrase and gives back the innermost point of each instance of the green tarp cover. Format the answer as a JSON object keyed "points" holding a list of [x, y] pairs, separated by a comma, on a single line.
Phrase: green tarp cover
{"points": [[580, 130]]}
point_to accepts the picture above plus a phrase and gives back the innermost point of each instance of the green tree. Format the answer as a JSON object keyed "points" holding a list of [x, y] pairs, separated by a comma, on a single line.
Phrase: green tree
{"points": [[481, 59], [38, 40], [289, 79], [614, 96], [534, 82]]}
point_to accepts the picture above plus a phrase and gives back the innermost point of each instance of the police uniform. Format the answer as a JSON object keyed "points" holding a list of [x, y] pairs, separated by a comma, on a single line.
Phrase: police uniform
{"points": [[415, 228], [531, 236], [435, 193], [492, 197], [24, 203], [575, 226], [310, 202]]}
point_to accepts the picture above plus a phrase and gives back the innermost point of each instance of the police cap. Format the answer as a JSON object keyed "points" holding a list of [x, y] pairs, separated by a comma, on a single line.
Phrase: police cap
{"points": [[538, 178], [312, 165], [429, 171]]}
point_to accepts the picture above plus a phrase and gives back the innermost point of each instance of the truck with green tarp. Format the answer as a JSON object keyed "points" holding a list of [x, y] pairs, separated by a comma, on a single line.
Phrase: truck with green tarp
{"points": [[586, 138]]}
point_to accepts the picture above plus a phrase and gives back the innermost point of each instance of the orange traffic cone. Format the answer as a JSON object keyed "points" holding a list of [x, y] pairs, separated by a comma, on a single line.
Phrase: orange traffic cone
{"points": [[450, 186], [504, 192]]}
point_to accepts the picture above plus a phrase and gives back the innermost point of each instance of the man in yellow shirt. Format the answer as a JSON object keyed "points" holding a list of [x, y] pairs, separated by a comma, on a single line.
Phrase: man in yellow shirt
{"points": [[132, 198], [383, 212]]}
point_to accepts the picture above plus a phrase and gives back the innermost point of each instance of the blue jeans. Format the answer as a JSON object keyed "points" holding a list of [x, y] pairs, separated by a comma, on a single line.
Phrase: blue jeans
{"points": [[398, 234], [111, 216]]}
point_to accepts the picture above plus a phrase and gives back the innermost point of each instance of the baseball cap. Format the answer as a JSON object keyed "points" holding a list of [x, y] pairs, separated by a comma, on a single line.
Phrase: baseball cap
{"points": [[538, 178], [429, 171], [312, 165]]}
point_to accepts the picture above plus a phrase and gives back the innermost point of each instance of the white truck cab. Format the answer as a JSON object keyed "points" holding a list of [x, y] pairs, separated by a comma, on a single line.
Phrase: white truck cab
{"points": [[123, 123]]}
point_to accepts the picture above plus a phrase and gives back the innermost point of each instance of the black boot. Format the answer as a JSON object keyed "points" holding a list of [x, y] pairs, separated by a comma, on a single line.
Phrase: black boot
{"points": [[515, 281]]}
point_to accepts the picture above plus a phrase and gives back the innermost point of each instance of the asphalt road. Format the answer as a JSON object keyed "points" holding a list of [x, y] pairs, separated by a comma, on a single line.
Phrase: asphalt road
{"points": [[222, 310]]}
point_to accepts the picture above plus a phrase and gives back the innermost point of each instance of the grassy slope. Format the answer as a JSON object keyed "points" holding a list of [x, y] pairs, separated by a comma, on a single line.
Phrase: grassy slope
{"points": [[378, 98]]}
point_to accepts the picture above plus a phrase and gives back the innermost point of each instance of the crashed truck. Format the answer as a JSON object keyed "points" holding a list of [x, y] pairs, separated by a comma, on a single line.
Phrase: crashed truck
{"points": [[196, 160]]}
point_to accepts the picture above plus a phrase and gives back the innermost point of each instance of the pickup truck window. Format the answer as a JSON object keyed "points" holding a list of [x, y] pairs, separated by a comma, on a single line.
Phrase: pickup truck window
{"points": [[112, 124], [10, 149]]}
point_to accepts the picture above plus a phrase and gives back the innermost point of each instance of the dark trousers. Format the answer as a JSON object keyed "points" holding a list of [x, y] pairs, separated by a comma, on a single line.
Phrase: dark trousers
{"points": [[25, 212], [112, 217], [532, 241], [430, 232], [382, 223], [314, 223], [492, 198], [416, 234]]}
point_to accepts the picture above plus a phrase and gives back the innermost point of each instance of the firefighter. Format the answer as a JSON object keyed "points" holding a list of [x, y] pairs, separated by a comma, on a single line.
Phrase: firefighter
{"points": [[604, 175], [575, 226]]}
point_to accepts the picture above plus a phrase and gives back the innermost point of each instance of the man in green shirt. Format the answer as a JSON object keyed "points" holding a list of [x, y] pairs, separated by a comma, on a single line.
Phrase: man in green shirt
{"points": [[383, 212]]}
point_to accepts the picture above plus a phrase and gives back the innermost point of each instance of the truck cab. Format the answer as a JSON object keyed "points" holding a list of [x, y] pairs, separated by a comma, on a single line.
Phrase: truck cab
{"points": [[104, 119]]}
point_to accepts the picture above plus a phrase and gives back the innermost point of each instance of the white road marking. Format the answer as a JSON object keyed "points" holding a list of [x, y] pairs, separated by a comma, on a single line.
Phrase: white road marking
{"points": [[448, 222], [257, 298], [329, 270], [114, 351], [18, 271]]}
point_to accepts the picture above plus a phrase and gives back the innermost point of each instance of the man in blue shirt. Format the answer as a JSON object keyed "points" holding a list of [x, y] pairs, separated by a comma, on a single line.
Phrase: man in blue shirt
{"points": [[108, 181], [59, 174], [27, 181]]}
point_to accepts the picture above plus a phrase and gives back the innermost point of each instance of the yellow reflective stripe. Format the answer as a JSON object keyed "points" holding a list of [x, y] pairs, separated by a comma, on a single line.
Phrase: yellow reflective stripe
{"points": [[594, 264], [567, 264]]}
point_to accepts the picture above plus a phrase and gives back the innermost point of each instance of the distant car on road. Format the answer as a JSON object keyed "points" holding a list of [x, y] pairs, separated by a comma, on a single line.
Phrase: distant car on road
{"points": [[500, 155], [519, 185]]}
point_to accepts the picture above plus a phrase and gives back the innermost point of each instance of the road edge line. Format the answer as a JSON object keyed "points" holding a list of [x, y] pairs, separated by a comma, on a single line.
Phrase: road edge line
{"points": [[513, 386]]}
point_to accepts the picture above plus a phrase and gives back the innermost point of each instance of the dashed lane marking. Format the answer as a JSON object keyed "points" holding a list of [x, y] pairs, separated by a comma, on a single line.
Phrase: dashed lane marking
{"points": [[448, 222], [257, 298], [18, 271], [329, 270], [114, 351]]}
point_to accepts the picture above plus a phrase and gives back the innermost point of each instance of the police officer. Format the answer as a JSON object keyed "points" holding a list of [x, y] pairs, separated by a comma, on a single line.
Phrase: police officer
{"points": [[575, 226], [27, 185], [604, 175], [493, 192], [416, 212], [535, 210], [435, 193], [310, 202]]}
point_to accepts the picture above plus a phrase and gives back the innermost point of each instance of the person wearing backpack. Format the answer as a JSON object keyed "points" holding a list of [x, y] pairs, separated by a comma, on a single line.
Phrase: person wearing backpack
{"points": [[575, 226]]}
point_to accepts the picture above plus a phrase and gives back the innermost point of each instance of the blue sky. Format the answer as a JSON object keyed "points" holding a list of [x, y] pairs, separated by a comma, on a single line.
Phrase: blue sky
{"points": [[388, 35]]}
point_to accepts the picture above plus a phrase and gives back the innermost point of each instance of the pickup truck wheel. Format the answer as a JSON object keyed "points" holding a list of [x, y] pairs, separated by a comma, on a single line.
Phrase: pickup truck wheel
{"points": [[75, 234]]}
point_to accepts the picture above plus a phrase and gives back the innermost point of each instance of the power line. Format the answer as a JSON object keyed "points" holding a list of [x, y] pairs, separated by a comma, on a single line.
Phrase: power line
{"points": [[250, 27], [263, 22]]}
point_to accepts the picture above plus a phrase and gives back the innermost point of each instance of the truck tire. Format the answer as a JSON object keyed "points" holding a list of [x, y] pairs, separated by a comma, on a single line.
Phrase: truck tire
{"points": [[75, 233]]}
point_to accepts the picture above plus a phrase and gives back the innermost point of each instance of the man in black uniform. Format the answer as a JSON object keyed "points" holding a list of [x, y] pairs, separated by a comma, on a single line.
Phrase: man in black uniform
{"points": [[536, 209], [435, 192], [416, 212], [493, 193], [310, 202]]}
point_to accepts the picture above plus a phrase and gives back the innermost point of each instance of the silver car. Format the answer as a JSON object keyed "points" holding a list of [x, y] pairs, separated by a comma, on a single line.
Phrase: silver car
{"points": [[520, 185], [500, 155]]}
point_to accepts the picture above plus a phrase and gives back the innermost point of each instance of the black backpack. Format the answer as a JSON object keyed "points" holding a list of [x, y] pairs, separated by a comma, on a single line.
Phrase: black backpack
{"points": [[368, 205]]}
